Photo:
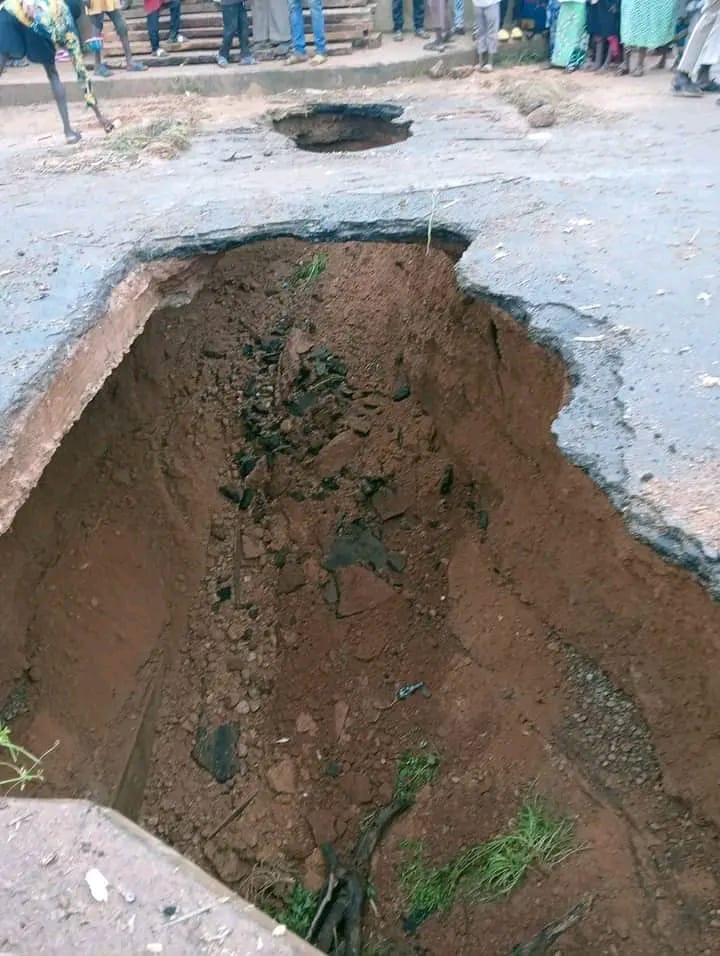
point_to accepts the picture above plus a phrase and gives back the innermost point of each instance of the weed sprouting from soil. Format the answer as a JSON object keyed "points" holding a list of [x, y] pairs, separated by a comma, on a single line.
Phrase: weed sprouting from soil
{"points": [[490, 870], [414, 772], [14, 770], [275, 889], [307, 272], [298, 912]]}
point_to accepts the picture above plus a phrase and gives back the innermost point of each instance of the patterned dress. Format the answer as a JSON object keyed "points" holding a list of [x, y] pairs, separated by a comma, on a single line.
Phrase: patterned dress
{"points": [[570, 43], [40, 25], [647, 24]]}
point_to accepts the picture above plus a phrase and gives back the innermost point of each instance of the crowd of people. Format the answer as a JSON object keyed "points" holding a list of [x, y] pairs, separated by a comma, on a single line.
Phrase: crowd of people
{"points": [[598, 33], [27, 26], [591, 33]]}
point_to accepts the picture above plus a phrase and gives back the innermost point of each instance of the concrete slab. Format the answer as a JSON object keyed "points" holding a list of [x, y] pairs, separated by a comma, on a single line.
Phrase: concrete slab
{"points": [[157, 901], [391, 61], [601, 242]]}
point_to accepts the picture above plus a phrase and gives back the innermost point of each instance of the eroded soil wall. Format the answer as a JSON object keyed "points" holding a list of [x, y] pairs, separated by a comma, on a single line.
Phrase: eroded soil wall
{"points": [[375, 405]]}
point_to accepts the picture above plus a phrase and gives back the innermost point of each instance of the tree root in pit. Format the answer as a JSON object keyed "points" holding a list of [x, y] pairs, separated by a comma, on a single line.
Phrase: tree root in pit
{"points": [[540, 944], [337, 925]]}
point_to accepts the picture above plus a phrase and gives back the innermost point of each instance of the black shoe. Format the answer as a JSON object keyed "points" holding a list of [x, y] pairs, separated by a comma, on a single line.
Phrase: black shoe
{"points": [[683, 86]]}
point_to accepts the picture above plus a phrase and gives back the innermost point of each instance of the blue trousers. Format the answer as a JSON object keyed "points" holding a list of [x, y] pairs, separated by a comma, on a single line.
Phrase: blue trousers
{"points": [[398, 15], [235, 24], [153, 25], [297, 27]]}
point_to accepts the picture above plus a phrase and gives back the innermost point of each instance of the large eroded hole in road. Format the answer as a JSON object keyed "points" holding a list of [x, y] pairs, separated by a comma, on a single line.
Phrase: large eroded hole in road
{"points": [[314, 524], [343, 128]]}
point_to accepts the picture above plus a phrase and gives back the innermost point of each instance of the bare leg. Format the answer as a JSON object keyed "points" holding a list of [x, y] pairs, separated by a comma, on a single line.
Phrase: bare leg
{"points": [[125, 40], [3, 62], [640, 68], [597, 61], [106, 124], [118, 21], [662, 62], [608, 58], [625, 65], [58, 92]]}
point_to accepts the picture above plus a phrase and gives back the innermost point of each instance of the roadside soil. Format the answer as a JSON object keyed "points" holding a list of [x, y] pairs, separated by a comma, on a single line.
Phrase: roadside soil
{"points": [[31, 142], [294, 497]]}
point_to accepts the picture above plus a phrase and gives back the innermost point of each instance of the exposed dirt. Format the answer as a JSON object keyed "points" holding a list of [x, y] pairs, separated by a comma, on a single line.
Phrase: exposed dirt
{"points": [[341, 129], [394, 421], [157, 132]]}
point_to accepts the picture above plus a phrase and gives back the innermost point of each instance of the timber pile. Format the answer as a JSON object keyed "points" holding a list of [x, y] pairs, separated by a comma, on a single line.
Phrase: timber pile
{"points": [[348, 25]]}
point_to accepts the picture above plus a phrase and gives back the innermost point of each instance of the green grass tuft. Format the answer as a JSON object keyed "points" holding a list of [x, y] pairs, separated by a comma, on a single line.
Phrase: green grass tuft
{"points": [[414, 772], [488, 870], [299, 909], [307, 272], [14, 770]]}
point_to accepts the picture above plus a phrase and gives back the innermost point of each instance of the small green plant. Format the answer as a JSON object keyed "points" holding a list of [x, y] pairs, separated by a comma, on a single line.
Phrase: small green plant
{"points": [[413, 772], [299, 909], [332, 768], [307, 272], [490, 870], [13, 767]]}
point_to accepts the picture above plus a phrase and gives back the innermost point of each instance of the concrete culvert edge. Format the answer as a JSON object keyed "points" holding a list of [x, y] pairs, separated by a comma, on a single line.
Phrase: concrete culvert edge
{"points": [[315, 522]]}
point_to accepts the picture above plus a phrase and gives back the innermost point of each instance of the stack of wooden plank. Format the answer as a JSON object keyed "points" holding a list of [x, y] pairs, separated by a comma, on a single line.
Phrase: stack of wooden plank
{"points": [[348, 24]]}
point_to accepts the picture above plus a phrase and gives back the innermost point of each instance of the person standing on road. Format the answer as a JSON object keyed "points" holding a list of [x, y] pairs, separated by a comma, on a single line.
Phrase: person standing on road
{"points": [[440, 22], [398, 17], [271, 26], [152, 14], [235, 24], [701, 53], [487, 24], [603, 25], [36, 29], [297, 33], [570, 41], [97, 11], [645, 25]]}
